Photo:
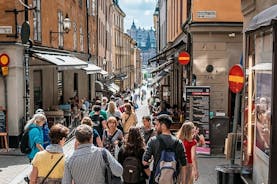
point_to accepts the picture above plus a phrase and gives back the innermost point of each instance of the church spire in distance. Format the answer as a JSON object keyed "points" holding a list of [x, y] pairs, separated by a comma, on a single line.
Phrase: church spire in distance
{"points": [[133, 25]]}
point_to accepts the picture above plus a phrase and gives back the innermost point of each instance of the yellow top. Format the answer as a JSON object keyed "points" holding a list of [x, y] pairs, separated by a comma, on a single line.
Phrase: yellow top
{"points": [[44, 161]]}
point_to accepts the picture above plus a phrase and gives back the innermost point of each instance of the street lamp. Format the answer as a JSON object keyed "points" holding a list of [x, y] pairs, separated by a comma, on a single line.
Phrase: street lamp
{"points": [[66, 27]]}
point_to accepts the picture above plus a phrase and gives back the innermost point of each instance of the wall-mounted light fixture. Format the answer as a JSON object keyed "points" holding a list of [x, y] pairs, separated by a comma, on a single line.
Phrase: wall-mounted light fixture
{"points": [[66, 27]]}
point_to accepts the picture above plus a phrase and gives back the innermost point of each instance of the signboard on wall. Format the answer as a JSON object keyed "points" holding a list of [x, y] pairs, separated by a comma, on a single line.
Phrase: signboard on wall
{"points": [[198, 111]]}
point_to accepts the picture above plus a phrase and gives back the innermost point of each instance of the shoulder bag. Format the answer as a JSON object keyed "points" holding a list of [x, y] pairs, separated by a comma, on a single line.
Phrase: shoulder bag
{"points": [[109, 177]]}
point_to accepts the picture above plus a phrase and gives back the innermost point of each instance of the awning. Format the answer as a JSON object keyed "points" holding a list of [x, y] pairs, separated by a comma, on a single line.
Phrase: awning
{"points": [[262, 67], [159, 77], [103, 72], [263, 19], [63, 62], [92, 69], [113, 87], [121, 76], [155, 58], [162, 66]]}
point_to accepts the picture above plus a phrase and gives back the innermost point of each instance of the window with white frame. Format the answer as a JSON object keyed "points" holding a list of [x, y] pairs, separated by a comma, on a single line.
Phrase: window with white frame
{"points": [[37, 20], [60, 28]]}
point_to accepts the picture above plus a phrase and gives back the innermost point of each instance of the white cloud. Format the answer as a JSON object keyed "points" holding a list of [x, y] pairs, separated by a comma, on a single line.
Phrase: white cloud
{"points": [[148, 12]]}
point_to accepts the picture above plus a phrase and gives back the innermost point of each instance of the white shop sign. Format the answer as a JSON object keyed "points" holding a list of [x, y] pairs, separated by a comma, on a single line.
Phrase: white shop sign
{"points": [[6, 30], [206, 14]]}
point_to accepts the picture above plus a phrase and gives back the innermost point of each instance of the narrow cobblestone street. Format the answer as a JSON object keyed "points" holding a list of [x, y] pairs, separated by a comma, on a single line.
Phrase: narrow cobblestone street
{"points": [[15, 166]]}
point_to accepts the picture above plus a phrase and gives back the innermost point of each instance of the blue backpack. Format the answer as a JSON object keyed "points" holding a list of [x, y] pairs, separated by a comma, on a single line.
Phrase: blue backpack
{"points": [[166, 169]]}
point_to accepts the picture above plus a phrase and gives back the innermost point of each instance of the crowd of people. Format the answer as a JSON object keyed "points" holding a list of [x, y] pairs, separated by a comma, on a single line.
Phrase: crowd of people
{"points": [[110, 132]]}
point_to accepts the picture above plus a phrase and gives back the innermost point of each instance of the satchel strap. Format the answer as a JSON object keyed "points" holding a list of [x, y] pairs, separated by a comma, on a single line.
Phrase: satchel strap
{"points": [[51, 169], [105, 158]]}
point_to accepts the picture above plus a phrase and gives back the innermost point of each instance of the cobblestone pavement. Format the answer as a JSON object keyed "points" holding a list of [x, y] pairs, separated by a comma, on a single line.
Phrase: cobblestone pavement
{"points": [[14, 166]]}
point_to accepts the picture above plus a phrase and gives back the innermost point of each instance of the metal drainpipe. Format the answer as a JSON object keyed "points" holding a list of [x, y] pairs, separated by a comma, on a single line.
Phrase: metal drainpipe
{"points": [[189, 45], [97, 32], [27, 76], [88, 36]]}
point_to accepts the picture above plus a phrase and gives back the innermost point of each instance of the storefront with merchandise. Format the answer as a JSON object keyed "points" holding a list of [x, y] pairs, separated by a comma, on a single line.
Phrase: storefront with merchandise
{"points": [[259, 152]]}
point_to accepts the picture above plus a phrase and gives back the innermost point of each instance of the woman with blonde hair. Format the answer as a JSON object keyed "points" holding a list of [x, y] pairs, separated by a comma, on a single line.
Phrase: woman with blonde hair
{"points": [[129, 118], [48, 165], [34, 126], [186, 135]]}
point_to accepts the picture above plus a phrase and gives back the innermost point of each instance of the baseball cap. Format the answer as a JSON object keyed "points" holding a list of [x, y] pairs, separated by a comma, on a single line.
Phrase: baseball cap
{"points": [[39, 111]]}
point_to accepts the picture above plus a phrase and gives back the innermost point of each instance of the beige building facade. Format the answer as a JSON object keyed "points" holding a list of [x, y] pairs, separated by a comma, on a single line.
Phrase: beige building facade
{"points": [[211, 33]]}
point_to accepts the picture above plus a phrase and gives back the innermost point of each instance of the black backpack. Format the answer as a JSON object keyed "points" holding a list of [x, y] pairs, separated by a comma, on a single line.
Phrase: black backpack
{"points": [[132, 172], [24, 143]]}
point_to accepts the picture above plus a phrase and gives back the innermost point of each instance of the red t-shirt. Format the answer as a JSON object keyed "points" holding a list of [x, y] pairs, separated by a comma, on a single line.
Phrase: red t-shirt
{"points": [[188, 145]]}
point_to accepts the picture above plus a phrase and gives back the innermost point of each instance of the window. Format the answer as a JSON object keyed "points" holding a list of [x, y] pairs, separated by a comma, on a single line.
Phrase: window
{"points": [[37, 20], [60, 87], [60, 28], [263, 82], [75, 83], [81, 39], [74, 36], [93, 7], [80, 3]]}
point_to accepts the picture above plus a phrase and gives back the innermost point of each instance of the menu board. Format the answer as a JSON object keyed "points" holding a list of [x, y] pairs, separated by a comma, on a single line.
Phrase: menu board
{"points": [[198, 110]]}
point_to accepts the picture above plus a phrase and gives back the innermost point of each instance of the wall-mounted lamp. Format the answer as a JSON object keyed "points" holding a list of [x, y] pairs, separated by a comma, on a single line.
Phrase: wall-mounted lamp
{"points": [[66, 27], [232, 35]]}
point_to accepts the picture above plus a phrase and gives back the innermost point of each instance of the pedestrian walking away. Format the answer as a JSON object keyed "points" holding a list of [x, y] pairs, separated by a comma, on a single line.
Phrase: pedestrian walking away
{"points": [[87, 165], [130, 156], [48, 165], [161, 143]]}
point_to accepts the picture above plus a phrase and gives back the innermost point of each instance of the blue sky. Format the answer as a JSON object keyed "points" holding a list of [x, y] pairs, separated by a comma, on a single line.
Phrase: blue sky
{"points": [[141, 11]]}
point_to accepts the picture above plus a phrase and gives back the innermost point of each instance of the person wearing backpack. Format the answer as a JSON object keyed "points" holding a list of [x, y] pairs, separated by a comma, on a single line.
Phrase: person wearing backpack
{"points": [[130, 157], [167, 152], [35, 135]]}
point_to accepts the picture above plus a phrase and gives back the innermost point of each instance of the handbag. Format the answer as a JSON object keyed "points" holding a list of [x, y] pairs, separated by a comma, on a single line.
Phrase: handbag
{"points": [[109, 177], [51, 169]]}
